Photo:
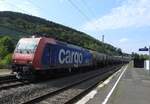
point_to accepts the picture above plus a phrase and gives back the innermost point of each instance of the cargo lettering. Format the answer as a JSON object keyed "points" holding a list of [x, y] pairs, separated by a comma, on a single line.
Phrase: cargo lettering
{"points": [[68, 57]]}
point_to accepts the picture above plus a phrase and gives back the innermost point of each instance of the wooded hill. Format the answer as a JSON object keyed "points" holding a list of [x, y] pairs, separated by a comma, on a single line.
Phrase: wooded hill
{"points": [[18, 25], [14, 25]]}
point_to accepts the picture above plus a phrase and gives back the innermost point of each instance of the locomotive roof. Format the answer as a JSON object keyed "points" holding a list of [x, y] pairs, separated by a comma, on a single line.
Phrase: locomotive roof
{"points": [[27, 39], [56, 42]]}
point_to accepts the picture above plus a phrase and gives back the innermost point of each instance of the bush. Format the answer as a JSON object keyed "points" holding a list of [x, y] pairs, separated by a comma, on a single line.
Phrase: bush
{"points": [[6, 61]]}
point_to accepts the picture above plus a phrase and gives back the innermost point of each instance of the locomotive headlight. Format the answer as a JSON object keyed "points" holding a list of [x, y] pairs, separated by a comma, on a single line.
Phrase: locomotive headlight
{"points": [[14, 61], [29, 62]]}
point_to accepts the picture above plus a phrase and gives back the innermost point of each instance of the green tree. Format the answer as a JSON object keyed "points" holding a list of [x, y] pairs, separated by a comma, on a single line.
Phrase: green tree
{"points": [[6, 61], [6, 46]]}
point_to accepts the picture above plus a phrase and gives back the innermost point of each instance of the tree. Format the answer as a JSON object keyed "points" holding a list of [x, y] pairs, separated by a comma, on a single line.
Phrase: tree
{"points": [[6, 46], [119, 51]]}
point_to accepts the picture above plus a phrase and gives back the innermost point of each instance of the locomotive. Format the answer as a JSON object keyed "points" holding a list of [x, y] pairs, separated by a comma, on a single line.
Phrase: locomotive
{"points": [[41, 55]]}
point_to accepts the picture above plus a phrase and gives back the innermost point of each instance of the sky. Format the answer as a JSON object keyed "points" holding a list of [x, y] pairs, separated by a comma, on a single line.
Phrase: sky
{"points": [[124, 23]]}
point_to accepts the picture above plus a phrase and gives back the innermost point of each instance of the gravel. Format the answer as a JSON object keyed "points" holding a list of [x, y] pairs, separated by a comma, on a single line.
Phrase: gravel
{"points": [[71, 93], [22, 94]]}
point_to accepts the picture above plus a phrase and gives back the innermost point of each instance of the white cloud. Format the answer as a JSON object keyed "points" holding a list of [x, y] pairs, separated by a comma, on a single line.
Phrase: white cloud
{"points": [[123, 40], [131, 13], [19, 6]]}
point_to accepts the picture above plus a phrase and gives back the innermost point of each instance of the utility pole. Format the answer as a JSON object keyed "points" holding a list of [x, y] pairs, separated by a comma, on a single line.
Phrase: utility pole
{"points": [[103, 38]]}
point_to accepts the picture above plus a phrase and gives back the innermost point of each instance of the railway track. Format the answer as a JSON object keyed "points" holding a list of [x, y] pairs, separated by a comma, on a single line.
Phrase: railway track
{"points": [[10, 81], [11, 84], [68, 90], [7, 77], [7, 81]]}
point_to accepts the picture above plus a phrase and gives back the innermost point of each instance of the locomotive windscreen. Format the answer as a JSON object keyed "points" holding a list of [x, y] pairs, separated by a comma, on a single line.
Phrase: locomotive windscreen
{"points": [[26, 46]]}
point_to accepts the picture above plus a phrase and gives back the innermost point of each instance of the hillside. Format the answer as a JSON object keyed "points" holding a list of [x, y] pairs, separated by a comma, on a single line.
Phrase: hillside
{"points": [[17, 25]]}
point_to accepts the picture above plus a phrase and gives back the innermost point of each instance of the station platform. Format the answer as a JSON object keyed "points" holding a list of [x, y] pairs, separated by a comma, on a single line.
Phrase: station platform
{"points": [[5, 72], [127, 86]]}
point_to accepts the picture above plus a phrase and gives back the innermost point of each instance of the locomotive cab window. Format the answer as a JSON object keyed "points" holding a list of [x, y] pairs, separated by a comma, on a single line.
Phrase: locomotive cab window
{"points": [[26, 46]]}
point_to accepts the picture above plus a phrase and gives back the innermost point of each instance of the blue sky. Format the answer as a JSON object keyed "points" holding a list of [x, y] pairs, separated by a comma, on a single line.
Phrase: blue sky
{"points": [[125, 23]]}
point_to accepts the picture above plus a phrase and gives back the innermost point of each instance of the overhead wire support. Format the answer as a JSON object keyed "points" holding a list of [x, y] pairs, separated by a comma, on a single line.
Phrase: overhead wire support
{"points": [[83, 14], [90, 10], [79, 10]]}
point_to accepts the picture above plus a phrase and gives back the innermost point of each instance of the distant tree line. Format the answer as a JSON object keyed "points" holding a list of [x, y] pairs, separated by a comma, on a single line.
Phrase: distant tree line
{"points": [[137, 56]]}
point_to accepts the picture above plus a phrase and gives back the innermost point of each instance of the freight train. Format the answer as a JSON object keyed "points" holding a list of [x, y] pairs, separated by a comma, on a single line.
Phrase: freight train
{"points": [[36, 56]]}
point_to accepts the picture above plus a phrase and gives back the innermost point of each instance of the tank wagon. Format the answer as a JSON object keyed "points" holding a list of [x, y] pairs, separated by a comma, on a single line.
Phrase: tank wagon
{"points": [[40, 55]]}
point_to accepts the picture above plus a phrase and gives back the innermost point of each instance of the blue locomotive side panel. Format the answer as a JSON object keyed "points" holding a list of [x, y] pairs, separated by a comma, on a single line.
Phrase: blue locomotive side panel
{"points": [[62, 55], [46, 56]]}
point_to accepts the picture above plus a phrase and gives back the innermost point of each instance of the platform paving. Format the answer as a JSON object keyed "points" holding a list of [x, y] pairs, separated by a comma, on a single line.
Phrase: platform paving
{"points": [[133, 88], [4, 72]]}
